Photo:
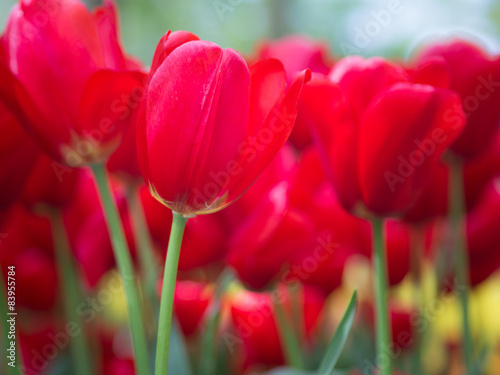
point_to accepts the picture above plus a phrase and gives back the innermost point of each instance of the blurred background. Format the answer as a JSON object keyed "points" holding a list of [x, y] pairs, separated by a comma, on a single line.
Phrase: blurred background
{"points": [[389, 28]]}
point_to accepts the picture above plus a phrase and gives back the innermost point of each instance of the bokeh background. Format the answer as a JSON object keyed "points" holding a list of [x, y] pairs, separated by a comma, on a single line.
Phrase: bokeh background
{"points": [[240, 24]]}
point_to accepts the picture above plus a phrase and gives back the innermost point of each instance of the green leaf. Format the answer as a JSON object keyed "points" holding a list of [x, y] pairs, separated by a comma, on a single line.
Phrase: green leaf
{"points": [[179, 359], [288, 338], [339, 339], [294, 371], [289, 371]]}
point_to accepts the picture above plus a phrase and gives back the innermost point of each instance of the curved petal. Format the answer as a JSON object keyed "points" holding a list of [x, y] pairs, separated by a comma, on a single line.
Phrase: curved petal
{"points": [[169, 42], [107, 26], [271, 121]]}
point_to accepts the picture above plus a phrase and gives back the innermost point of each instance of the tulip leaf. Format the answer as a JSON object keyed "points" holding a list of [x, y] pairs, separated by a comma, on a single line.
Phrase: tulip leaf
{"points": [[289, 371], [179, 363], [339, 339], [294, 371]]}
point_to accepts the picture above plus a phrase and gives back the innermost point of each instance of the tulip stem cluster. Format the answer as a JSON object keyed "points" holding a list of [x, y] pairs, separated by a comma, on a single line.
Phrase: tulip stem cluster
{"points": [[71, 290], [383, 329], [125, 265], [167, 294], [458, 232]]}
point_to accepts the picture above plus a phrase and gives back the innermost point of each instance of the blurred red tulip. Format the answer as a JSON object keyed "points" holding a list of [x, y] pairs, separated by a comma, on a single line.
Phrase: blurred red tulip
{"points": [[197, 160], [382, 141], [26, 243], [483, 236], [253, 319], [268, 238], [78, 91], [191, 300], [475, 76]]}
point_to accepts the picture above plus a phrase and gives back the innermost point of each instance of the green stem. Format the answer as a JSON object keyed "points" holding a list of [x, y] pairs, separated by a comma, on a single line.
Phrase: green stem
{"points": [[383, 328], [16, 370], [147, 260], [72, 293], [457, 214], [167, 293], [126, 268], [288, 338]]}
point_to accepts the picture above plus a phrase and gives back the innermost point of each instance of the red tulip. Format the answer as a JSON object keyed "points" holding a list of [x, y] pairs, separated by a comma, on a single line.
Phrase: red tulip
{"points": [[475, 76], [26, 243], [381, 140], [191, 300], [269, 237], [209, 124], [253, 319], [483, 237], [78, 90]]}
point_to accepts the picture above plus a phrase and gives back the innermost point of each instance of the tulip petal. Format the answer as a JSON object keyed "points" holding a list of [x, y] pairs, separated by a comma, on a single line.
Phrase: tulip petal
{"points": [[168, 43], [107, 105], [107, 26], [362, 79], [271, 121]]}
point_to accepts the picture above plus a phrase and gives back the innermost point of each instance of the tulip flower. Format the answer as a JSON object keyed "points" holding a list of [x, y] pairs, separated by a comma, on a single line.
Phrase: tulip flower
{"points": [[381, 143], [475, 76], [190, 303], [28, 247], [256, 327], [483, 238], [77, 113], [210, 124], [355, 131], [271, 235]]}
